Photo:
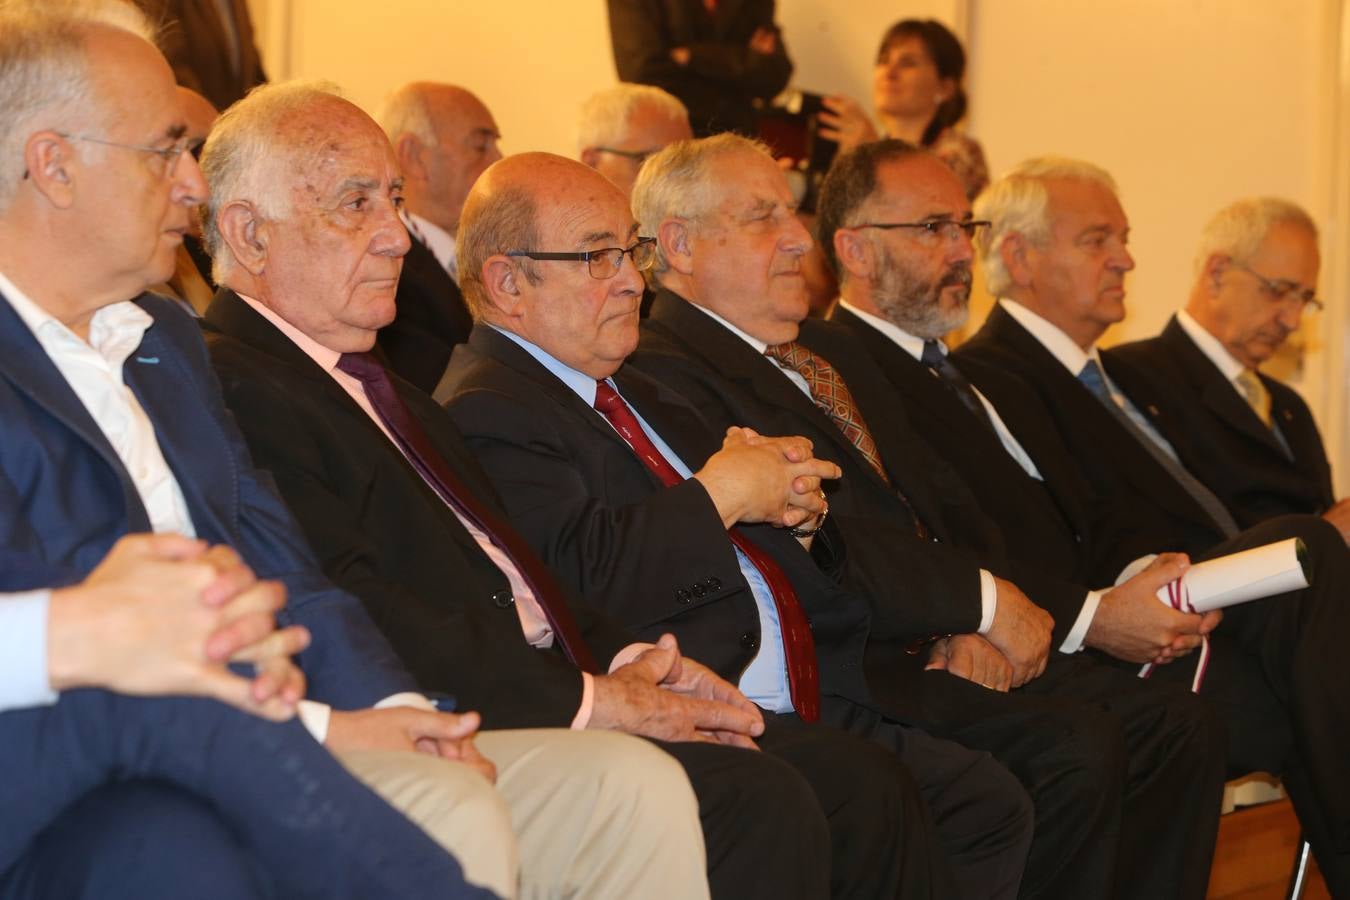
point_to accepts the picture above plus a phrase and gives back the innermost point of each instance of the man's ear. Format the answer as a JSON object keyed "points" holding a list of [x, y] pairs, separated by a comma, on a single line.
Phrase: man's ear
{"points": [[49, 163], [1014, 251], [675, 237], [408, 150], [590, 156], [854, 253], [502, 283], [245, 233], [1211, 276]]}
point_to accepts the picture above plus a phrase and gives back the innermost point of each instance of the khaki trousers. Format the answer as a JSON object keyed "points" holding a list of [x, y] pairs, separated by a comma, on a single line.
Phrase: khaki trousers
{"points": [[584, 814]]}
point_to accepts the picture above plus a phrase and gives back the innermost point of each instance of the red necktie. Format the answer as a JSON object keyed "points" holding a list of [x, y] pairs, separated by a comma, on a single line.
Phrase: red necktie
{"points": [[798, 646], [413, 440]]}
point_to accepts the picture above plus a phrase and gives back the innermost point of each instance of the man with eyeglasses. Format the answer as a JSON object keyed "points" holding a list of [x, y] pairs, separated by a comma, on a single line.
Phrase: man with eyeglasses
{"points": [[400, 514], [1251, 439], [621, 126], [1056, 255], [443, 138]]}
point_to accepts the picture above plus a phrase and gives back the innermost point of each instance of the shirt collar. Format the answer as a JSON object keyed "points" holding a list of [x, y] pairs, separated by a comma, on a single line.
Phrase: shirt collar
{"points": [[440, 242], [114, 330], [580, 383], [1210, 346], [760, 346], [1059, 344], [325, 358], [908, 342]]}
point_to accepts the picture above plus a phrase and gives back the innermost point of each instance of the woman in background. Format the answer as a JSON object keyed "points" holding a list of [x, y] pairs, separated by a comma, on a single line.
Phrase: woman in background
{"points": [[917, 92]]}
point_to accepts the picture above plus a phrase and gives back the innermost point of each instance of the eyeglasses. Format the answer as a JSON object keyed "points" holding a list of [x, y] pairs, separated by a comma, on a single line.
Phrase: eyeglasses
{"points": [[1283, 291], [946, 229], [637, 156], [602, 263], [170, 154]]}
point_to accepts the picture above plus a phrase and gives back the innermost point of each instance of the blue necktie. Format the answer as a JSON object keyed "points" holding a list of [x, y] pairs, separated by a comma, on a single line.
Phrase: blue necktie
{"points": [[1094, 379]]}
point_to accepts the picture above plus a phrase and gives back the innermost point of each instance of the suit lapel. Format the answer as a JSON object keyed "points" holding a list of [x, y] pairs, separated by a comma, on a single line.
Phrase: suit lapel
{"points": [[27, 366]]}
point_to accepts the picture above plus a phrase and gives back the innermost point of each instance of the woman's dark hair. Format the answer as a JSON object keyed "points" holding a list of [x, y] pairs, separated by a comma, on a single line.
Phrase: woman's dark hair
{"points": [[947, 55]]}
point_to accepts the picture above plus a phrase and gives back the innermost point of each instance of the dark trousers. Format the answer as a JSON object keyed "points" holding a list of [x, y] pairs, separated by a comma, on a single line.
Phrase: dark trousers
{"points": [[99, 781], [1126, 777], [974, 816], [1277, 676]]}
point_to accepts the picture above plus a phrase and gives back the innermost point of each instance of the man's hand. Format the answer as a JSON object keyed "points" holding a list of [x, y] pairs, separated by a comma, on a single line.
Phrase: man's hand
{"points": [[163, 614], [973, 658], [844, 121], [664, 696], [1021, 632], [1131, 624], [1339, 515], [762, 479], [401, 728]]}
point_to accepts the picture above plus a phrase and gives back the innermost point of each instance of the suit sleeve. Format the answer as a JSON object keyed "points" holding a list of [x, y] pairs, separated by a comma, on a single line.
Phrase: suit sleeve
{"points": [[640, 562], [448, 654]]}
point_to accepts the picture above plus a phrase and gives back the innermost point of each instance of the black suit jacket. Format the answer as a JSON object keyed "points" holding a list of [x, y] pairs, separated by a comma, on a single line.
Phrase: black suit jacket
{"points": [[723, 76], [1156, 513], [383, 534], [432, 318], [657, 557], [1219, 437], [931, 588], [194, 41], [1040, 523]]}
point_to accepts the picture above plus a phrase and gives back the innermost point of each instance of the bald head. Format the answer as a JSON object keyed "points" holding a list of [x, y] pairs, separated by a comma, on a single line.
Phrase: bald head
{"points": [[443, 137], [583, 313]]}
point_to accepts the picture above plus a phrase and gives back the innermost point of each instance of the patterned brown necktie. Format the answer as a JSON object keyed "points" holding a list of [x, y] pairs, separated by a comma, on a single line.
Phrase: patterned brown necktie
{"points": [[831, 394]]}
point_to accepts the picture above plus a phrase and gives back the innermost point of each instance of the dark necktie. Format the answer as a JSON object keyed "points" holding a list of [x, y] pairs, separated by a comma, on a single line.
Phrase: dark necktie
{"points": [[799, 647], [946, 371], [1094, 379], [831, 395], [417, 447]]}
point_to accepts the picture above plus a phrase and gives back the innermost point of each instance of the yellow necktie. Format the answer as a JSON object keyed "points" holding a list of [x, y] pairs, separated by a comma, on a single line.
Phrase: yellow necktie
{"points": [[1256, 394]]}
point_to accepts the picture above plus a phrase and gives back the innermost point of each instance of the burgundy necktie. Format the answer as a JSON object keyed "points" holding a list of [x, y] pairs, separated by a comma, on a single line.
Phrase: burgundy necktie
{"points": [[798, 645], [413, 440]]}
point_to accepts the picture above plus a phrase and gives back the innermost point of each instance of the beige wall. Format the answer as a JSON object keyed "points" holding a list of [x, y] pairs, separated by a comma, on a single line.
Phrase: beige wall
{"points": [[1190, 104]]}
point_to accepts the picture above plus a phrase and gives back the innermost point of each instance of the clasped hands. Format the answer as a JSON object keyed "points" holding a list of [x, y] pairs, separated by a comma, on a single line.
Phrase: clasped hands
{"points": [[165, 614], [765, 479]]}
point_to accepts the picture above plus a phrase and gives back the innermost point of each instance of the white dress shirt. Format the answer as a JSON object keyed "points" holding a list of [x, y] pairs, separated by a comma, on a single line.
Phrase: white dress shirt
{"points": [[23, 650]]}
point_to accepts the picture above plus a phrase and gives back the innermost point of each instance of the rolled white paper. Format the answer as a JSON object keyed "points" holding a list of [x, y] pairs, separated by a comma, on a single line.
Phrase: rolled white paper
{"points": [[1239, 577]]}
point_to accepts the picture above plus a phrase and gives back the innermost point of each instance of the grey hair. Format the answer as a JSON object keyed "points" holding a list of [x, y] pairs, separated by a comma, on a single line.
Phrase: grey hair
{"points": [[604, 117], [44, 72], [243, 154], [677, 182], [1239, 229], [1018, 203], [405, 112]]}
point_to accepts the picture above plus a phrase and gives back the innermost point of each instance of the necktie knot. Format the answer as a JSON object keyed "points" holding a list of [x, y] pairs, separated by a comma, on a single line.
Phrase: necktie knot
{"points": [[1094, 379], [1256, 394], [362, 366], [932, 355], [607, 400]]}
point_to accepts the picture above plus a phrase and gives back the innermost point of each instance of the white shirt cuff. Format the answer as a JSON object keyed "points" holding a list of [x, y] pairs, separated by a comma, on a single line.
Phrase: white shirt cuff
{"points": [[314, 716], [1073, 641], [23, 650], [988, 602]]}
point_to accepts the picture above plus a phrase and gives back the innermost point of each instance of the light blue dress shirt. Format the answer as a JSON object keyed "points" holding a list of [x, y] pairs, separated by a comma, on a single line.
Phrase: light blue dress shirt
{"points": [[23, 650], [765, 680]]}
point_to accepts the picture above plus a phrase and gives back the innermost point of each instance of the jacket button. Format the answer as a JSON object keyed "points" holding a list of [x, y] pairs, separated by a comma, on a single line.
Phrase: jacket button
{"points": [[750, 640], [699, 590], [682, 596], [502, 599], [713, 584]]}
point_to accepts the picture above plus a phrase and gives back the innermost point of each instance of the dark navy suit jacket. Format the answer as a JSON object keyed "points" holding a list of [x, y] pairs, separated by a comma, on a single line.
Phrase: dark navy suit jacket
{"points": [[65, 496]]}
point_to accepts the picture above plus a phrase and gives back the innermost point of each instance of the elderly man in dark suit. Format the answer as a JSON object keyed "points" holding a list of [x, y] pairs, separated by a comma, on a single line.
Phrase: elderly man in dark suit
{"points": [[443, 138], [401, 515], [722, 332], [1251, 439], [1056, 256], [110, 424]]}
